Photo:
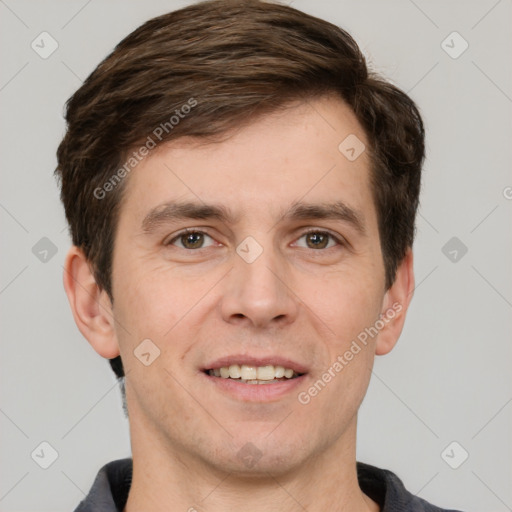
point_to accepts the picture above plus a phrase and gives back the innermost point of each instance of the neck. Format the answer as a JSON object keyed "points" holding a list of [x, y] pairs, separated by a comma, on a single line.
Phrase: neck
{"points": [[165, 476]]}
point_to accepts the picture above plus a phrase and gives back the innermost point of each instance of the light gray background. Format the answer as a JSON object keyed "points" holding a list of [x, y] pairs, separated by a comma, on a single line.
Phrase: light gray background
{"points": [[447, 380]]}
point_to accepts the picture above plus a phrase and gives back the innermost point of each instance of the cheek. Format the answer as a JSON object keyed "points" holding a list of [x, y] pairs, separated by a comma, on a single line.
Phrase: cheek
{"points": [[162, 305], [146, 307], [347, 307], [347, 302]]}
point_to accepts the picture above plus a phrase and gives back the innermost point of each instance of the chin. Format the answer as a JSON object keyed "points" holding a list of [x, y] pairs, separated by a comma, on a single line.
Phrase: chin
{"points": [[262, 455]]}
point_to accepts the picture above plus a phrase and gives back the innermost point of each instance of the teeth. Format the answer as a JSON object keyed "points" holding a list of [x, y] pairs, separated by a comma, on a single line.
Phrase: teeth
{"points": [[265, 372], [253, 374], [248, 372], [234, 372], [279, 371]]}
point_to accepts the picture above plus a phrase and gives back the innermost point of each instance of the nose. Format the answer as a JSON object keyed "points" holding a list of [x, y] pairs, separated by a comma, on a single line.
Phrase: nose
{"points": [[259, 293]]}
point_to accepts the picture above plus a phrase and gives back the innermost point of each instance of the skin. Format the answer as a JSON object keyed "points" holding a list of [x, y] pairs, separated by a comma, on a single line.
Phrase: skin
{"points": [[295, 300]]}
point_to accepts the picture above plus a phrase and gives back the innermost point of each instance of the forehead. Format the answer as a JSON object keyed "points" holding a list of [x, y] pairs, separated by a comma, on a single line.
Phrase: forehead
{"points": [[313, 152]]}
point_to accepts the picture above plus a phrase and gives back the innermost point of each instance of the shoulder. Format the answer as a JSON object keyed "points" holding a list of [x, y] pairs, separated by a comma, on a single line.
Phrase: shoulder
{"points": [[385, 488], [109, 492]]}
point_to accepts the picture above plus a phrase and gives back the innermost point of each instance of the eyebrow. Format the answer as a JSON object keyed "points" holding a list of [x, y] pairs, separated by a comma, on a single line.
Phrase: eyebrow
{"points": [[338, 210], [174, 211]]}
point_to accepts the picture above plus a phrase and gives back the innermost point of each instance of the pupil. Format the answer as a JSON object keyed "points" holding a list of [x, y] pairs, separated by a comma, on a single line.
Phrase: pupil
{"points": [[317, 239], [192, 240]]}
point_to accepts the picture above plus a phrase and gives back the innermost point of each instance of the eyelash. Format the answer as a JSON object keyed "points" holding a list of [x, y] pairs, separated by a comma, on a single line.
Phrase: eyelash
{"points": [[337, 239]]}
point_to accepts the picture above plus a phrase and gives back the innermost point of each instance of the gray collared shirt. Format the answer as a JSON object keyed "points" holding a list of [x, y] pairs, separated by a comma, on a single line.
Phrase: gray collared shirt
{"points": [[109, 492]]}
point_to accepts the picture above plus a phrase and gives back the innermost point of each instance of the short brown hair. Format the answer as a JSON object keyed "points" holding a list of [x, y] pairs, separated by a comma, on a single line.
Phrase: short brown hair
{"points": [[231, 60]]}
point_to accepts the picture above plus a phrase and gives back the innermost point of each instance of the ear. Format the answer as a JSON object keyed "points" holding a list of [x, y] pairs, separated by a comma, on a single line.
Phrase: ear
{"points": [[395, 304], [91, 306]]}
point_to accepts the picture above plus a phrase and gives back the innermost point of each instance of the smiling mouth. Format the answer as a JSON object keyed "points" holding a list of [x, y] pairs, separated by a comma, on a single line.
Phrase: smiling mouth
{"points": [[254, 374]]}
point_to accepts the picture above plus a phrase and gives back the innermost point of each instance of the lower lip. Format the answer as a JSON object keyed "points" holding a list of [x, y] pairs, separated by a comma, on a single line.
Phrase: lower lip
{"points": [[256, 392]]}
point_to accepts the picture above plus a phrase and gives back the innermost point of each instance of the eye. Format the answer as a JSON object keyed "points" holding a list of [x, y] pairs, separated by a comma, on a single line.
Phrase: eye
{"points": [[319, 240], [190, 239]]}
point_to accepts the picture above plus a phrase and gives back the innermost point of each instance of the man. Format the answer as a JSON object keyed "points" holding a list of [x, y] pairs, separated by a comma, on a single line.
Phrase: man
{"points": [[241, 193]]}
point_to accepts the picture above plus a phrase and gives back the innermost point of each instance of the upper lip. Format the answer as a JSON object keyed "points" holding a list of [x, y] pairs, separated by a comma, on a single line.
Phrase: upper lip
{"points": [[249, 360]]}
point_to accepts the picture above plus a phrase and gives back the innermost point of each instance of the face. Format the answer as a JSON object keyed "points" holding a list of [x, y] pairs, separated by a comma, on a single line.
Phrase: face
{"points": [[260, 251]]}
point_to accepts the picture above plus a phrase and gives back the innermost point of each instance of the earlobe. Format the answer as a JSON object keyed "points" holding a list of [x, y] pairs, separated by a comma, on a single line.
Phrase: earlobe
{"points": [[91, 306], [395, 304]]}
